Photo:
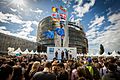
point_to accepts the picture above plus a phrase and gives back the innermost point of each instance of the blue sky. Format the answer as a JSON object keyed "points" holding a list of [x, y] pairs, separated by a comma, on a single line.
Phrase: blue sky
{"points": [[100, 19]]}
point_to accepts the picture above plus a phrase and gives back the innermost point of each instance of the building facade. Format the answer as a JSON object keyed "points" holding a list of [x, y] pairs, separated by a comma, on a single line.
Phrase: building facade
{"points": [[15, 42], [45, 25], [75, 38]]}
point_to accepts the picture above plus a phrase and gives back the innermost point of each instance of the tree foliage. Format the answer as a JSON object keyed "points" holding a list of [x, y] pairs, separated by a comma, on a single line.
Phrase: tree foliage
{"points": [[101, 49], [109, 53]]}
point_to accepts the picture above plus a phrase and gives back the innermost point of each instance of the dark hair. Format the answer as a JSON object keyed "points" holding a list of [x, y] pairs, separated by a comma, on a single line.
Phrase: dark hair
{"points": [[29, 67], [81, 71], [112, 67], [17, 75], [106, 64], [70, 60], [61, 65], [48, 64], [118, 63], [75, 65], [5, 71], [26, 74], [23, 64], [11, 63]]}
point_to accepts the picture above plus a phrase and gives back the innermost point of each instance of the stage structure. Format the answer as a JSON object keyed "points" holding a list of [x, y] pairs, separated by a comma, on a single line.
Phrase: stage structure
{"points": [[61, 53]]}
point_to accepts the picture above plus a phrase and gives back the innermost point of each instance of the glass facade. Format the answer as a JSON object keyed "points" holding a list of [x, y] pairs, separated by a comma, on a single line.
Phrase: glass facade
{"points": [[78, 39], [45, 25]]}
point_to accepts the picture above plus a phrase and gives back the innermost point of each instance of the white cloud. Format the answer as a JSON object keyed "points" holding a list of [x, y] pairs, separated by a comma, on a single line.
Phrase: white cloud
{"points": [[36, 23], [3, 18], [114, 18], [14, 10], [6, 18], [97, 21], [32, 38], [5, 32], [110, 38], [26, 26], [2, 28], [81, 10], [37, 10], [27, 29]]}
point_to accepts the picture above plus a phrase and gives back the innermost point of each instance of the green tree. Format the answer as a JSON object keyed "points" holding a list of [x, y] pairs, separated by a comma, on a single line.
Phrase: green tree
{"points": [[118, 52], [109, 53], [101, 49]]}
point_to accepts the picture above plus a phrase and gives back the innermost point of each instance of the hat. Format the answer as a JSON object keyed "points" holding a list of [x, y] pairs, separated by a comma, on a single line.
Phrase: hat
{"points": [[89, 60]]}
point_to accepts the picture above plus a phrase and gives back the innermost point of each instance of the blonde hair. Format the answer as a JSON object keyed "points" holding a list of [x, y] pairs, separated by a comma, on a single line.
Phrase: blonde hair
{"points": [[35, 66]]}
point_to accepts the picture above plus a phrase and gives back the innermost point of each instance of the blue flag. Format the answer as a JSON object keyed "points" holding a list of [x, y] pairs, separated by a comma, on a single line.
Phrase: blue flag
{"points": [[49, 34], [60, 31]]}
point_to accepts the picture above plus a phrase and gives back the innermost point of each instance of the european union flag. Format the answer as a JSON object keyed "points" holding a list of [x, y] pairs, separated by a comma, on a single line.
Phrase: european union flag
{"points": [[49, 34], [60, 31]]}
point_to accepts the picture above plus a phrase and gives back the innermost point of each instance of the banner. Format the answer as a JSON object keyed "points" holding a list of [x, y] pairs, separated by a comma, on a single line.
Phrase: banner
{"points": [[69, 52]]}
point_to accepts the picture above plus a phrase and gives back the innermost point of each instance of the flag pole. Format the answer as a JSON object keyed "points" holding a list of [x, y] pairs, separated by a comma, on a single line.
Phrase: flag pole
{"points": [[66, 39]]}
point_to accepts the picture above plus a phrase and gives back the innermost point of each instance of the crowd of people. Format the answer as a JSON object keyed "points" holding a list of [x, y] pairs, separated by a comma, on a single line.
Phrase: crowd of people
{"points": [[35, 68]]}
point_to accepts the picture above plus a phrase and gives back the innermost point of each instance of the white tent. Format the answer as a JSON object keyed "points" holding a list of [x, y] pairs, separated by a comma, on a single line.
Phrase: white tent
{"points": [[114, 53], [10, 51], [88, 54], [36, 52], [17, 52], [32, 52], [26, 51], [80, 55], [42, 53], [105, 54]]}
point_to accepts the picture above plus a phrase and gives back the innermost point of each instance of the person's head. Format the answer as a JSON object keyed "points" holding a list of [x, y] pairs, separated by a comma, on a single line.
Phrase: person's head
{"points": [[75, 65], [112, 67], [54, 66], [35, 66], [106, 64], [70, 62], [29, 66], [23, 64], [17, 75], [118, 63], [97, 65], [6, 72], [48, 65], [81, 72], [89, 60], [61, 67], [11, 63]]}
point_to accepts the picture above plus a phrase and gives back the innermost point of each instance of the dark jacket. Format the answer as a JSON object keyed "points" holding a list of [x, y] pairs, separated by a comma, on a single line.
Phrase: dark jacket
{"points": [[111, 76], [44, 76]]}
